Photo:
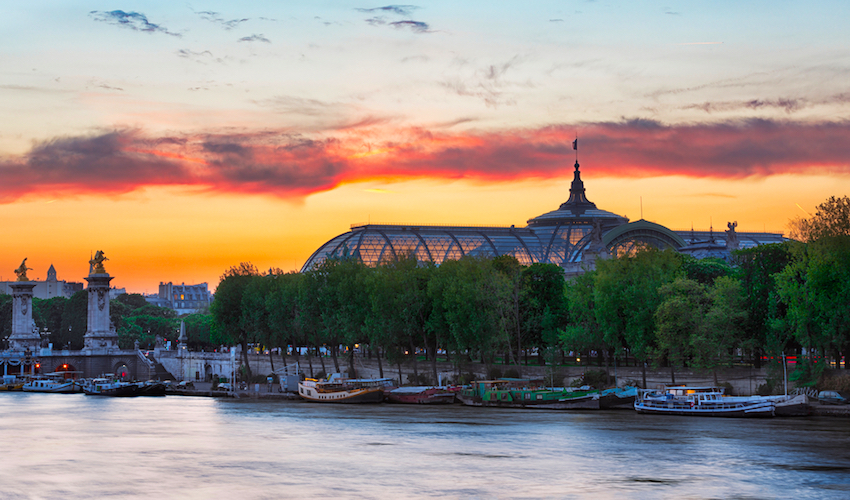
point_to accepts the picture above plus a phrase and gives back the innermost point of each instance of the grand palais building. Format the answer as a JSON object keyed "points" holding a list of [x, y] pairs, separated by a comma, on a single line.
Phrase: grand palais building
{"points": [[572, 236]]}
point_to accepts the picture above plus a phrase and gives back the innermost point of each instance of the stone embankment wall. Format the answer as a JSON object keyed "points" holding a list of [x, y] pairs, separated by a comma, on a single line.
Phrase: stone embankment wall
{"points": [[204, 364]]}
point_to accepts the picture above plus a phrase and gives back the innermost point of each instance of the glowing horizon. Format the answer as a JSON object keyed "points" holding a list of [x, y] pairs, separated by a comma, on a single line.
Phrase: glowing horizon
{"points": [[182, 140]]}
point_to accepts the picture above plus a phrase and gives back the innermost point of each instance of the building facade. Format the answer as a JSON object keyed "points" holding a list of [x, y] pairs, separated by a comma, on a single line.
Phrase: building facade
{"points": [[48, 289], [183, 298]]}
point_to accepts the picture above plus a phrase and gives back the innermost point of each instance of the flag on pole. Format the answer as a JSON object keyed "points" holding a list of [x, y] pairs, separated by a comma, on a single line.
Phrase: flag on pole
{"points": [[575, 144]]}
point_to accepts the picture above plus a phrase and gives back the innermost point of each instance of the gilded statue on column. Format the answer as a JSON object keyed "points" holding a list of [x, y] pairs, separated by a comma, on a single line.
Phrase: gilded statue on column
{"points": [[22, 271], [96, 264]]}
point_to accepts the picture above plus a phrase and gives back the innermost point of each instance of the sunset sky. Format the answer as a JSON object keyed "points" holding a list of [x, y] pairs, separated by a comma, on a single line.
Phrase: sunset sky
{"points": [[182, 138]]}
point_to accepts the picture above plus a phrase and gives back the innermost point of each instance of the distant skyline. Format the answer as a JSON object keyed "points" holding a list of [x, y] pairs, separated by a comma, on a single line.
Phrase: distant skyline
{"points": [[182, 139]]}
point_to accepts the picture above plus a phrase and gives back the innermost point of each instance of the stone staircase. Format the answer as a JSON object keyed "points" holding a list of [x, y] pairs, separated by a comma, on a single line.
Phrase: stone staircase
{"points": [[155, 369]]}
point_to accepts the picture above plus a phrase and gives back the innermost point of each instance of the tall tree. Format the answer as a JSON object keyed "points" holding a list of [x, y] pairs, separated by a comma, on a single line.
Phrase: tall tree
{"points": [[229, 322], [74, 321], [680, 318], [831, 219], [284, 310], [472, 298], [582, 332], [342, 305], [543, 306], [627, 295], [724, 322], [757, 268]]}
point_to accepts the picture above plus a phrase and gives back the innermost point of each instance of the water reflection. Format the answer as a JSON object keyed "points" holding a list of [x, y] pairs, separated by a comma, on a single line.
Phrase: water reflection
{"points": [[83, 447]]}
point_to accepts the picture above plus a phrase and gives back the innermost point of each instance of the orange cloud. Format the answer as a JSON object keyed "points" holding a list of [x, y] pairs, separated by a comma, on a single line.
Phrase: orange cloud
{"points": [[283, 164]]}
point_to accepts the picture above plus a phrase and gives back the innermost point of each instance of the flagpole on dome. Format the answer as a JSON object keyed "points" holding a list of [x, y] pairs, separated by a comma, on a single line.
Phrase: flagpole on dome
{"points": [[575, 147]]}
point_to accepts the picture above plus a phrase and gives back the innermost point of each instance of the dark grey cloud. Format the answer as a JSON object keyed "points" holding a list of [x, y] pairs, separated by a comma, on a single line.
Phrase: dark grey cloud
{"points": [[401, 10], [255, 38], [396, 10], [215, 18], [787, 104], [109, 87], [415, 26], [190, 54], [303, 106], [131, 20]]}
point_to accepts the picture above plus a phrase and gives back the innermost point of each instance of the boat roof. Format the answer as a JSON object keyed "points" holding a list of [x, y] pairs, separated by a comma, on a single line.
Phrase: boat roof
{"points": [[416, 389]]}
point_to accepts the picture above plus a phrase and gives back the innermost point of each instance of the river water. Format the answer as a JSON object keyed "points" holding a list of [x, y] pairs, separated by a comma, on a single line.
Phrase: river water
{"points": [[77, 446]]}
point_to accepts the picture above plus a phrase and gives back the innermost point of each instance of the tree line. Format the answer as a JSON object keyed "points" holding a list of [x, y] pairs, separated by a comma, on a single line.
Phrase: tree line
{"points": [[649, 308]]}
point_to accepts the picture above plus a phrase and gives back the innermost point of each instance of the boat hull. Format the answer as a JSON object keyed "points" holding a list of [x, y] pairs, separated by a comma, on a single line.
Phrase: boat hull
{"points": [[52, 387], [428, 396], [793, 406], [111, 389], [764, 409], [613, 399], [588, 402], [351, 396], [151, 389]]}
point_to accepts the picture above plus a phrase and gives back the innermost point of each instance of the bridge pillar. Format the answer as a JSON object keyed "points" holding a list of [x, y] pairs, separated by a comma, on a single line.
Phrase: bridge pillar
{"points": [[100, 338], [23, 336]]}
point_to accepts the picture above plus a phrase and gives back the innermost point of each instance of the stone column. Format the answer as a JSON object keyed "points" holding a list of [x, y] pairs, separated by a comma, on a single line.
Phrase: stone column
{"points": [[23, 334], [100, 336]]}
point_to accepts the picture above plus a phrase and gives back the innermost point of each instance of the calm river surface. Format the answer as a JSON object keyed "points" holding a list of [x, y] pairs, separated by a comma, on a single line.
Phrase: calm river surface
{"points": [[76, 446]]}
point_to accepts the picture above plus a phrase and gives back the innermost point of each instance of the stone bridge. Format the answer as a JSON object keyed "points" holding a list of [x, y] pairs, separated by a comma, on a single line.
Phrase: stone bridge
{"points": [[130, 364]]}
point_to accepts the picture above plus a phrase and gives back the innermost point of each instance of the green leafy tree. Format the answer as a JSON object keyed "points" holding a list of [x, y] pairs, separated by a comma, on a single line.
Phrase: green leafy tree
{"points": [[582, 332], [680, 319], [310, 317], [385, 321], [705, 270], [74, 321], [199, 331], [514, 310], [831, 219], [724, 325], [5, 316], [255, 314], [284, 310], [543, 306], [342, 305], [48, 314], [815, 289], [473, 298], [627, 293], [132, 300], [764, 327], [229, 326]]}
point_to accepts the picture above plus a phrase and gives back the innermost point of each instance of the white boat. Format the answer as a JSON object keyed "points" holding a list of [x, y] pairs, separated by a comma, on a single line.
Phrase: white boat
{"points": [[702, 402], [53, 383], [344, 390]]}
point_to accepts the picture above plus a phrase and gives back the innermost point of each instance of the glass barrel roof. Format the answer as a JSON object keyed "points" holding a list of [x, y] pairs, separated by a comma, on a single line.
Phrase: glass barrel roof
{"points": [[557, 237]]}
